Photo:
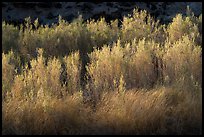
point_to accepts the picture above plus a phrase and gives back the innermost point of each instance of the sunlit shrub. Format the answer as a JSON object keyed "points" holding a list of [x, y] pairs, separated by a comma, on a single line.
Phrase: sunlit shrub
{"points": [[40, 77], [8, 72], [183, 61], [145, 65], [141, 25], [53, 76], [106, 67], [73, 69], [139, 63], [101, 32], [189, 25]]}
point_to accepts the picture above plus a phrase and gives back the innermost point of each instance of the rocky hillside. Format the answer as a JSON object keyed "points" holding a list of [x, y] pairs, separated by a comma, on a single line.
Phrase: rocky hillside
{"points": [[48, 12]]}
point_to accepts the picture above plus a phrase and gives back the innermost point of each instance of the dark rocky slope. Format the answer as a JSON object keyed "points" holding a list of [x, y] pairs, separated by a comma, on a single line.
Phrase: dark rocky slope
{"points": [[48, 12]]}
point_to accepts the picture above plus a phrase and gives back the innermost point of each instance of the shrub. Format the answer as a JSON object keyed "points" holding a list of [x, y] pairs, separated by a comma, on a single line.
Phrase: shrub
{"points": [[10, 36], [73, 69], [181, 26], [101, 32], [8, 73], [53, 76], [106, 67], [39, 78], [145, 64], [141, 25], [183, 61], [60, 38], [139, 63]]}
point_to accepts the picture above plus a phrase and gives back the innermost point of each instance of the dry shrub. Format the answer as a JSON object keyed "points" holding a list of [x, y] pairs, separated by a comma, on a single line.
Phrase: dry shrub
{"points": [[109, 61], [8, 73], [183, 62], [53, 76], [141, 25], [145, 64], [62, 38], [181, 26], [40, 76], [73, 69], [101, 32], [10, 36], [139, 63]]}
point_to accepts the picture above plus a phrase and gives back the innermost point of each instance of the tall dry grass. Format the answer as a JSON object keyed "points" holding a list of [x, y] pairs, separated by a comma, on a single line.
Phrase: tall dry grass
{"points": [[141, 112]]}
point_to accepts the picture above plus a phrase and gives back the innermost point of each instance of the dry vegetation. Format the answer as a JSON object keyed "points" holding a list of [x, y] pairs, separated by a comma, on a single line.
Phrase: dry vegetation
{"points": [[141, 78]]}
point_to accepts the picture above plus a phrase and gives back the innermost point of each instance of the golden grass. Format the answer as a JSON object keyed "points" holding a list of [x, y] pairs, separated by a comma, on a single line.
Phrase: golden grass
{"points": [[158, 111]]}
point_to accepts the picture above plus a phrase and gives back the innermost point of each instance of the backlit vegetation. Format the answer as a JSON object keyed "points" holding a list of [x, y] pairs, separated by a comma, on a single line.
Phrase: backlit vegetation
{"points": [[94, 77]]}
